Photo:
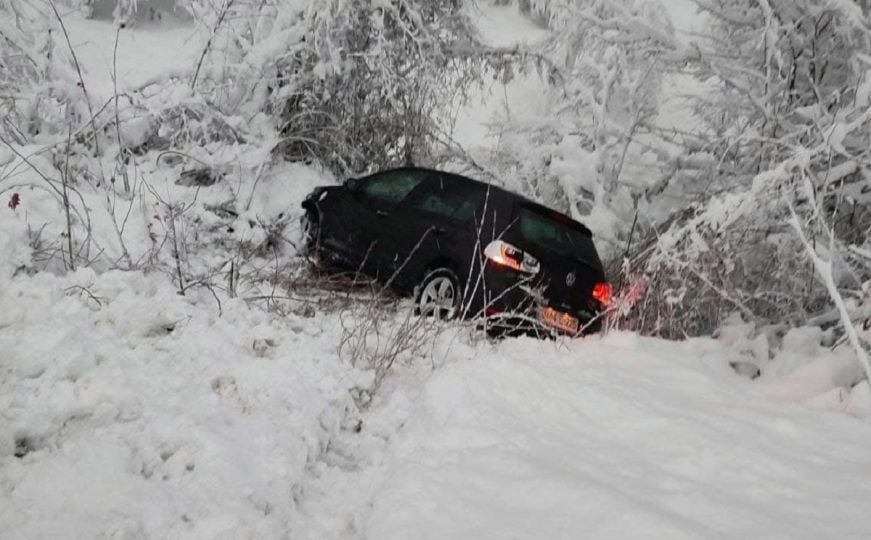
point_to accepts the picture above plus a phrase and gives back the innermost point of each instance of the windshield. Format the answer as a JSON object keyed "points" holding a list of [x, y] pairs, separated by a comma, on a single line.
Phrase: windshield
{"points": [[556, 232]]}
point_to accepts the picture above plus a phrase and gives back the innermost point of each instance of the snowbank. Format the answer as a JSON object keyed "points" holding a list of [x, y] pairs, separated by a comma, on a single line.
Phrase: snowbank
{"points": [[620, 437], [129, 411]]}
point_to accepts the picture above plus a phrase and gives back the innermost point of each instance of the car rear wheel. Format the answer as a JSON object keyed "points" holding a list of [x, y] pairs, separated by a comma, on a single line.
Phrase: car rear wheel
{"points": [[439, 295]]}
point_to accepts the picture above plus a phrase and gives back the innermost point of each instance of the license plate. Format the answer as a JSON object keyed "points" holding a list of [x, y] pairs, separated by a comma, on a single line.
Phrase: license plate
{"points": [[559, 319]]}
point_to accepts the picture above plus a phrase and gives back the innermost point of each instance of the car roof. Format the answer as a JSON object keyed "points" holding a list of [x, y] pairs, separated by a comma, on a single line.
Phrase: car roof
{"points": [[500, 191]]}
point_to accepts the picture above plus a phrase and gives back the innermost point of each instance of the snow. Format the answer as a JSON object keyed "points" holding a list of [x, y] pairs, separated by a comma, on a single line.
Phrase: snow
{"points": [[145, 52], [503, 26], [685, 17], [127, 410], [614, 437], [141, 413], [130, 411], [500, 26]]}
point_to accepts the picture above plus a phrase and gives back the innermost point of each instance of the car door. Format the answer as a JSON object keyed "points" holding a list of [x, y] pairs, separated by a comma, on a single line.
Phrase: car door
{"points": [[373, 203], [428, 226]]}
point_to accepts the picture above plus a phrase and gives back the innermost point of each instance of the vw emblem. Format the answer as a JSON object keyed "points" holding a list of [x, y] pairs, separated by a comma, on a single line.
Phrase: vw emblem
{"points": [[570, 279]]}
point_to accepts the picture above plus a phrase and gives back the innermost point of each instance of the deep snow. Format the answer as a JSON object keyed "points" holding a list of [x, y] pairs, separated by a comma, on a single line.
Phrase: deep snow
{"points": [[606, 437], [620, 437], [129, 411]]}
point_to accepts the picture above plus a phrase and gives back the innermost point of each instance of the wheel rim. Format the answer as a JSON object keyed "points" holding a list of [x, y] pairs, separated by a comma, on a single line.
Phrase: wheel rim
{"points": [[438, 298]]}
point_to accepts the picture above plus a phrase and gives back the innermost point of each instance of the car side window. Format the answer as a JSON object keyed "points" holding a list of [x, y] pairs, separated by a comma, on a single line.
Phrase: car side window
{"points": [[448, 198], [436, 203], [392, 186]]}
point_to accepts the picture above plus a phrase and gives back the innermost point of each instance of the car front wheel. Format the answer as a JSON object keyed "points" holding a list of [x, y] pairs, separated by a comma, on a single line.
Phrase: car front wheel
{"points": [[439, 295]]}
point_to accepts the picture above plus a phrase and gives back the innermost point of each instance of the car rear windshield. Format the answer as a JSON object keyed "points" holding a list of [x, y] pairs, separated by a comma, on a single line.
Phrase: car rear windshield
{"points": [[556, 232]]}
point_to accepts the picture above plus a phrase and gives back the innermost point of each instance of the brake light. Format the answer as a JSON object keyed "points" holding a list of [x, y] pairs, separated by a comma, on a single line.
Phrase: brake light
{"points": [[602, 292], [504, 254]]}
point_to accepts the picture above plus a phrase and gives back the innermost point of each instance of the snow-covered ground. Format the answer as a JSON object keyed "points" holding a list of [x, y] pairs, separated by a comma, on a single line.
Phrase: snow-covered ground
{"points": [[620, 437], [130, 411], [145, 53]]}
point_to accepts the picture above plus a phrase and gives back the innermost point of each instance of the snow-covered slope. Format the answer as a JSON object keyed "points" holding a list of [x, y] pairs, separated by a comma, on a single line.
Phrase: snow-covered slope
{"points": [[130, 411], [619, 437], [614, 437], [145, 53]]}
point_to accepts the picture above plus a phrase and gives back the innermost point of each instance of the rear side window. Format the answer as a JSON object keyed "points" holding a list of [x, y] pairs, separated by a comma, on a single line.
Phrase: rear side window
{"points": [[557, 233], [392, 186], [448, 198]]}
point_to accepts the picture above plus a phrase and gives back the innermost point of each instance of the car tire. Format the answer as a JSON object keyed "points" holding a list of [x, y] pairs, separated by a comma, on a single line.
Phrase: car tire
{"points": [[438, 294]]}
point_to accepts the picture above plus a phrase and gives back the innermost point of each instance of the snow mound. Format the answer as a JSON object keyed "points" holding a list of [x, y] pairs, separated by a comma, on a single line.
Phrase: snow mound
{"points": [[621, 437], [129, 411]]}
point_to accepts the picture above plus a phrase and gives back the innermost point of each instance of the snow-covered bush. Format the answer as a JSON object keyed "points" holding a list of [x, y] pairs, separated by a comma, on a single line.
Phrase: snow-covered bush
{"points": [[380, 76], [590, 146], [779, 166], [352, 84], [40, 91]]}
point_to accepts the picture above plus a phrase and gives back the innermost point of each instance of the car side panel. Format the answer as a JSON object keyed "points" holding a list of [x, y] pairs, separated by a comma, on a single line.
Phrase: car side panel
{"points": [[408, 241], [344, 231], [354, 220], [417, 237]]}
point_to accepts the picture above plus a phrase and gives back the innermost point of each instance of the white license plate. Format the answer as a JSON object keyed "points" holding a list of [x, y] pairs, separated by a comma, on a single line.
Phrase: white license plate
{"points": [[559, 319]]}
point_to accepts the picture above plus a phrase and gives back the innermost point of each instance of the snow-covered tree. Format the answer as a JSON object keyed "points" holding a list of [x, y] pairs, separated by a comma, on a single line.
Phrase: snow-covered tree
{"points": [[355, 84], [597, 150], [784, 141], [40, 92]]}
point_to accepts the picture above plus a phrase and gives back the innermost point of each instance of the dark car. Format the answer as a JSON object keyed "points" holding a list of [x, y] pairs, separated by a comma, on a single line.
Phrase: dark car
{"points": [[461, 247]]}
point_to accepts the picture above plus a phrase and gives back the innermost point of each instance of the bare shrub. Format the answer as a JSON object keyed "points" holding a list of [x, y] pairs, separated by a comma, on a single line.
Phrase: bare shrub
{"points": [[377, 334], [790, 106]]}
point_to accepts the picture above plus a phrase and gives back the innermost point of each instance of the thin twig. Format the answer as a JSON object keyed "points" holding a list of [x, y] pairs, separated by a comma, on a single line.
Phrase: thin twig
{"points": [[208, 46], [66, 200], [79, 72], [121, 150]]}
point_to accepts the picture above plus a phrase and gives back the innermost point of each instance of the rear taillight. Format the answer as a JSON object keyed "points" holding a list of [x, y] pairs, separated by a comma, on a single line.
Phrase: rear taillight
{"points": [[491, 311], [504, 254], [602, 293]]}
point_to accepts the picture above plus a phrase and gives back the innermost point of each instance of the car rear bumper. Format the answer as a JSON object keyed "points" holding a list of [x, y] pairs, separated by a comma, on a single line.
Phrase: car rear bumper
{"points": [[512, 301]]}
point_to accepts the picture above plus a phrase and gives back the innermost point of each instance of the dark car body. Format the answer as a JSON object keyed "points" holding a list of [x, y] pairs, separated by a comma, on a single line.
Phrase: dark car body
{"points": [[511, 258]]}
